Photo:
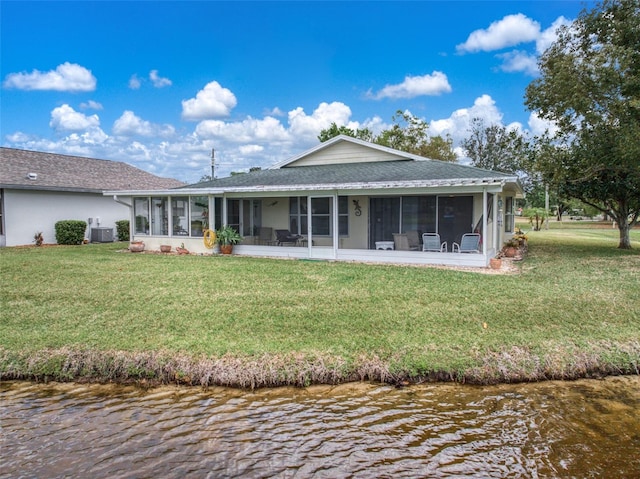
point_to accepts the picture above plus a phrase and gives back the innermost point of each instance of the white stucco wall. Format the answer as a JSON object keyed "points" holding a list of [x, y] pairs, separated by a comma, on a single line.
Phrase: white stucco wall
{"points": [[26, 212]]}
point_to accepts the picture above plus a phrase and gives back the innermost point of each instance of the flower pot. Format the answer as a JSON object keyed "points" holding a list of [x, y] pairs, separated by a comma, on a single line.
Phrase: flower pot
{"points": [[495, 263], [226, 248], [510, 251], [136, 246], [180, 250], [165, 248]]}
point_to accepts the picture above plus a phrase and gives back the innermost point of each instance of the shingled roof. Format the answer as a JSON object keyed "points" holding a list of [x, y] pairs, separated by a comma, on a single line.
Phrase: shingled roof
{"points": [[375, 174], [23, 169]]}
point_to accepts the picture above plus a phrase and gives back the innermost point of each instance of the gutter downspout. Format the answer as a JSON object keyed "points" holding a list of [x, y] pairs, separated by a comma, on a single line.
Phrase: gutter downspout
{"points": [[131, 218]]}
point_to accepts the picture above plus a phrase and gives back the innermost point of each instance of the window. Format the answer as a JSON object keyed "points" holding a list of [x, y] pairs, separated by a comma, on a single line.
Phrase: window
{"points": [[179, 215], [509, 222], [321, 216], [343, 215], [298, 215], [321, 211], [233, 214], [159, 216], [199, 217], [419, 213], [141, 214]]}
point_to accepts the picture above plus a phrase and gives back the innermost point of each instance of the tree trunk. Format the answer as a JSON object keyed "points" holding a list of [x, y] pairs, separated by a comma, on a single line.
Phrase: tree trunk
{"points": [[623, 227]]}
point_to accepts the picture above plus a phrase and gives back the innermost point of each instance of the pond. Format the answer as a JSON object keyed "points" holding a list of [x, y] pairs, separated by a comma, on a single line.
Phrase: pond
{"points": [[587, 428]]}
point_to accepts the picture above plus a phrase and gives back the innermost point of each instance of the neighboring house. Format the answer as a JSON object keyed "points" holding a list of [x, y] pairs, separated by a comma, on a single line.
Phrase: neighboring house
{"points": [[39, 189], [346, 198]]}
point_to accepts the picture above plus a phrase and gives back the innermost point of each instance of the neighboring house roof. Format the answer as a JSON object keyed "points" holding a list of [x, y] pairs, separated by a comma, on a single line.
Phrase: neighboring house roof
{"points": [[23, 169]]}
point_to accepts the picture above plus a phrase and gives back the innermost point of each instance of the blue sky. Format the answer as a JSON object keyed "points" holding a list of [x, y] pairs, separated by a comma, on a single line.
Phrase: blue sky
{"points": [[158, 84]]}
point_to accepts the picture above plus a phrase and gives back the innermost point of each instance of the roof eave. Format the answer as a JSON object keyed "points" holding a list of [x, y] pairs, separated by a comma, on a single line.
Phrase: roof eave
{"points": [[374, 185]]}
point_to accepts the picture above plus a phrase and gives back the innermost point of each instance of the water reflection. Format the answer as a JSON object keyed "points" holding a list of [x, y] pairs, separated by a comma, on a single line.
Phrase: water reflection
{"points": [[576, 429]]}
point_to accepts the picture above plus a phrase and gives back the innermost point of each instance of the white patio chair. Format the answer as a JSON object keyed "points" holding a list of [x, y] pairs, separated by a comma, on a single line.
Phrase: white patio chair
{"points": [[470, 243], [431, 242]]}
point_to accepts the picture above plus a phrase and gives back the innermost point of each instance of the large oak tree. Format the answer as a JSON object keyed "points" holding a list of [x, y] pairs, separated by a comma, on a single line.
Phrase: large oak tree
{"points": [[590, 87]]}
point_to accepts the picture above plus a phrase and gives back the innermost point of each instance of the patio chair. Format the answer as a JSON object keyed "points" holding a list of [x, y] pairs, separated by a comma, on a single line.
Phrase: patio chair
{"points": [[470, 243], [286, 237], [431, 242], [400, 242], [414, 240], [265, 236]]}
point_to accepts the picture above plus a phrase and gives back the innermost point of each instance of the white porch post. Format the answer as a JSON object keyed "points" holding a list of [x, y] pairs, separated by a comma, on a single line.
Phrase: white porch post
{"points": [[334, 219], [497, 213], [224, 210], [485, 221], [309, 226]]}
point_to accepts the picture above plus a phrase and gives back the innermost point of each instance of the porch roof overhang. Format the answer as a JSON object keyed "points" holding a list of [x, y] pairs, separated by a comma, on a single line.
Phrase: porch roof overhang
{"points": [[359, 177]]}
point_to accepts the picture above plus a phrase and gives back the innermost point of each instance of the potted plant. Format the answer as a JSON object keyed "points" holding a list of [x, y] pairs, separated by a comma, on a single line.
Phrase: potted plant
{"points": [[181, 249], [226, 237], [511, 247], [136, 246]]}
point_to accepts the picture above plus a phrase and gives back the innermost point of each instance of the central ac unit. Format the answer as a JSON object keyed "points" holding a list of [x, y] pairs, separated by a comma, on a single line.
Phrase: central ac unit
{"points": [[102, 235]]}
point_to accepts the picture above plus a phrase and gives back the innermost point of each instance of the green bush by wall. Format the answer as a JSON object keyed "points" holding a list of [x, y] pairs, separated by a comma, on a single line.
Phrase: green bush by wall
{"points": [[70, 231], [122, 230]]}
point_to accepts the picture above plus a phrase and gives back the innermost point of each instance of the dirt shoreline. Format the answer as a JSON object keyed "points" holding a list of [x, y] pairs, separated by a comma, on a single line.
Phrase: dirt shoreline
{"points": [[148, 369]]}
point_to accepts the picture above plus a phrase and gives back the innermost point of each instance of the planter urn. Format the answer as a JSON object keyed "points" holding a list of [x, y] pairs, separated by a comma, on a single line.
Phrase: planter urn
{"points": [[495, 263], [165, 248], [136, 246], [226, 248], [510, 251]]}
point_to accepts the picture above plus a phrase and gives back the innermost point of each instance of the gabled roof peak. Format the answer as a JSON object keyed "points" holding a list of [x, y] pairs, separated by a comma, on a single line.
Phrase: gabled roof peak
{"points": [[400, 155]]}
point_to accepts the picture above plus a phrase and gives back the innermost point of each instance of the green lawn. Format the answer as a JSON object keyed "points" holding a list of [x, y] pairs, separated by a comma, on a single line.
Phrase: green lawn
{"points": [[573, 309]]}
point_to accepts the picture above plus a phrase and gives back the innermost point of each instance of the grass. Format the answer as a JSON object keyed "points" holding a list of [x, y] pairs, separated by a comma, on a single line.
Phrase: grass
{"points": [[94, 312]]}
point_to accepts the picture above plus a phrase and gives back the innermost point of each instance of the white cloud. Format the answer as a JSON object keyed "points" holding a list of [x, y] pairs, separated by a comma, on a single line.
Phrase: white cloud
{"points": [[134, 82], [548, 36], [93, 105], [210, 102], [251, 149], [511, 30], [519, 61], [459, 123], [434, 84], [129, 124], [66, 77], [246, 131], [158, 81], [65, 118], [309, 126], [538, 125]]}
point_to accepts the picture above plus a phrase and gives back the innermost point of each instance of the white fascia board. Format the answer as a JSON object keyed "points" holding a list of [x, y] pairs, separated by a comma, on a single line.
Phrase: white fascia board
{"points": [[172, 192], [496, 185]]}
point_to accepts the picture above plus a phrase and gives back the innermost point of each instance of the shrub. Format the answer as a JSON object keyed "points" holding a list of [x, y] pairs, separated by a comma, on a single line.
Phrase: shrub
{"points": [[122, 230], [70, 231]]}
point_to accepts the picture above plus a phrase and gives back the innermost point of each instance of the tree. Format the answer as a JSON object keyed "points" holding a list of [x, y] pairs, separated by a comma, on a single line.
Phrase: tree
{"points": [[408, 134], [590, 87], [495, 147], [335, 130]]}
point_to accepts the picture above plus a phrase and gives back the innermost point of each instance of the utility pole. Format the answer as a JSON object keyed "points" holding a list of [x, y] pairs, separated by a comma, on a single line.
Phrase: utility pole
{"points": [[213, 163]]}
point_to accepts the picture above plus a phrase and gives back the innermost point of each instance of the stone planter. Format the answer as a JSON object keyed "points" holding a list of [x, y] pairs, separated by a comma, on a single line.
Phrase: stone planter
{"points": [[165, 248], [136, 246]]}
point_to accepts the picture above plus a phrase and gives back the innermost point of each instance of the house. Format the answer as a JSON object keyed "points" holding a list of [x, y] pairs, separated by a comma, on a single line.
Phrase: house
{"points": [[345, 199], [39, 189]]}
